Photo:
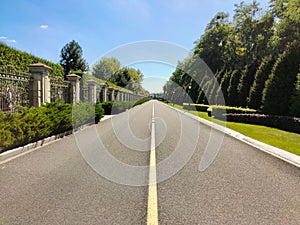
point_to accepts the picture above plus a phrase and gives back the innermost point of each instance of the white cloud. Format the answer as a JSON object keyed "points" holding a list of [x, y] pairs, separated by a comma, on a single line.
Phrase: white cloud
{"points": [[44, 27], [2, 37], [11, 41]]}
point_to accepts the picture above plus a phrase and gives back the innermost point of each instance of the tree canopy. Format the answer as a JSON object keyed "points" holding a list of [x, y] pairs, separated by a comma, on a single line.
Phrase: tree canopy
{"points": [[105, 68], [254, 58], [71, 58]]}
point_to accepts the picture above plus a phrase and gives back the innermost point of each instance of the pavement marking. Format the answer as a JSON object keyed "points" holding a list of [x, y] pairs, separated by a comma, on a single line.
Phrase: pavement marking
{"points": [[152, 210]]}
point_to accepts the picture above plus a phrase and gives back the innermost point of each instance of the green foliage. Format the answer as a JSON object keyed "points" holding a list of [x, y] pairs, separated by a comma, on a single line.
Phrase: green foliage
{"points": [[32, 124], [141, 101], [130, 79], [71, 58], [280, 86], [197, 107], [245, 83], [242, 54], [233, 96], [219, 111], [115, 107], [261, 75], [15, 61], [295, 106], [105, 68], [291, 124]]}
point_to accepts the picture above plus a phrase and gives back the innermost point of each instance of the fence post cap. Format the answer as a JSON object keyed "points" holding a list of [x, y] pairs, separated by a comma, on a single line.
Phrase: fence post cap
{"points": [[39, 65]]}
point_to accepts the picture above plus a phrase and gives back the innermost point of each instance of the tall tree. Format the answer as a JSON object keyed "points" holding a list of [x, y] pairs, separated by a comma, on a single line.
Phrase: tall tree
{"points": [[128, 78], [212, 45], [71, 58], [295, 106], [280, 86], [105, 68], [261, 75]]}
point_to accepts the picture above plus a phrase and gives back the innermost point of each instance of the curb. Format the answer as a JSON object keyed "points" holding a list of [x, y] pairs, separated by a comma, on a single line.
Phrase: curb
{"points": [[271, 150], [7, 155]]}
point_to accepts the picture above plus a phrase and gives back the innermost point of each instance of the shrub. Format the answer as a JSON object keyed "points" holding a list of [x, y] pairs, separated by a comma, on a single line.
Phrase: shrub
{"points": [[218, 111], [141, 101], [32, 124], [115, 107], [197, 107], [291, 124]]}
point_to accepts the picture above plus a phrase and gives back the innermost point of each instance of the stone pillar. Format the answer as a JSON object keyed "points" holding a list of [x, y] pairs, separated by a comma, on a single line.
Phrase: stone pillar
{"points": [[116, 94], [111, 94], [92, 91], [119, 95], [75, 88], [40, 89], [103, 93]]}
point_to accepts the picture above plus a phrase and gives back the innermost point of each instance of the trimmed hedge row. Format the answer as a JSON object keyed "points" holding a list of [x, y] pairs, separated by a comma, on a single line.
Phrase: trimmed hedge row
{"points": [[218, 111], [197, 107], [141, 101], [291, 124], [32, 124], [115, 107]]}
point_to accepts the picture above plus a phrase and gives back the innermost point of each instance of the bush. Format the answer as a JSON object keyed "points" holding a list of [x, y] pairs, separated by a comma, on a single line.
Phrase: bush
{"points": [[218, 111], [291, 124], [115, 107], [32, 124], [141, 101], [197, 107]]}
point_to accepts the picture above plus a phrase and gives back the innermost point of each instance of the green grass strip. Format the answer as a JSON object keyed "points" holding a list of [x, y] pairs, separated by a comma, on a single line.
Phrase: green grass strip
{"points": [[278, 138]]}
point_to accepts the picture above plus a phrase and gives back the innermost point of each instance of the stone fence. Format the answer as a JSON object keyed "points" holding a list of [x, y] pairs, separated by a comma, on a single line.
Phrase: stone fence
{"points": [[37, 88]]}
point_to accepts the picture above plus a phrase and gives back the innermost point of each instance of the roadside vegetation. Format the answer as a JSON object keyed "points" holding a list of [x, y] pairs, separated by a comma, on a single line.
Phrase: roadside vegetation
{"points": [[16, 61], [28, 125], [254, 57], [285, 140]]}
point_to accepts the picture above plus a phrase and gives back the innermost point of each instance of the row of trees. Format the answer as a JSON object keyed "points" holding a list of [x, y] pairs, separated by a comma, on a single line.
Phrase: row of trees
{"points": [[108, 69], [255, 59]]}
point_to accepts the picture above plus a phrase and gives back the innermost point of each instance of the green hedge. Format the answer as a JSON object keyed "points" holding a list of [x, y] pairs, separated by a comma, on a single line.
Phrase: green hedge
{"points": [[197, 107], [218, 111], [141, 101], [32, 124], [291, 124], [16, 61], [115, 107]]}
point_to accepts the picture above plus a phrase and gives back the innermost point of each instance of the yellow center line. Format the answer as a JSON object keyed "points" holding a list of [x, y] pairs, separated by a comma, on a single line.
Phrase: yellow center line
{"points": [[152, 211]]}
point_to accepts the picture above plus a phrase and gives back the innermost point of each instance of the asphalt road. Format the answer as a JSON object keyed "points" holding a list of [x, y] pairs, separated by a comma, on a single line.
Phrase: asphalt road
{"points": [[98, 176]]}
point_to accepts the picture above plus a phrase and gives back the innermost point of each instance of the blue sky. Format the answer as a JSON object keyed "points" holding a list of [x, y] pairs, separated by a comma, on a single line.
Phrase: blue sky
{"points": [[44, 27]]}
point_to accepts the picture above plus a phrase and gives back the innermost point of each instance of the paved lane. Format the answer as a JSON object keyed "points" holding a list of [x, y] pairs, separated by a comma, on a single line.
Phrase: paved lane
{"points": [[55, 185], [242, 186]]}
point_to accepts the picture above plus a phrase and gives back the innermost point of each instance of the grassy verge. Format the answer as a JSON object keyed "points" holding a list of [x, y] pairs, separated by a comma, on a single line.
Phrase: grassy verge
{"points": [[281, 139]]}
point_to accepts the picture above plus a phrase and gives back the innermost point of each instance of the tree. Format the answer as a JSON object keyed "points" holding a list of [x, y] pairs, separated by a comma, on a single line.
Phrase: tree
{"points": [[211, 46], [71, 58], [261, 75], [129, 78], [233, 95], [105, 68], [295, 107], [280, 86]]}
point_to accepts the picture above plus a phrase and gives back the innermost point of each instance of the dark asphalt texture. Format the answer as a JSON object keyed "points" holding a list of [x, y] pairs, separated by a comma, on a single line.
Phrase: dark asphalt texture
{"points": [[55, 185]]}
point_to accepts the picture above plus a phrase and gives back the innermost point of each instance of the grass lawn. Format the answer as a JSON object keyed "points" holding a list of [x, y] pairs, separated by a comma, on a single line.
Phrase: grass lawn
{"points": [[281, 139]]}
